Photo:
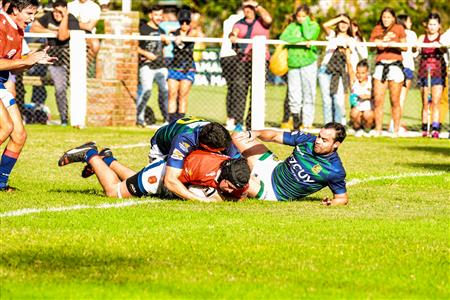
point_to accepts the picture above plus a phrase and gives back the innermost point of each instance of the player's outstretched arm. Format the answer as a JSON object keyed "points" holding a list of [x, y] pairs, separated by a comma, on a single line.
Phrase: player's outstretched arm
{"points": [[338, 199], [266, 135], [174, 185]]}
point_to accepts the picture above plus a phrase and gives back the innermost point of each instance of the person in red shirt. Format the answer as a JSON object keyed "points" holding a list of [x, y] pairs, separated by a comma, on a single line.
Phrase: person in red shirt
{"points": [[230, 177], [389, 67], [18, 14], [432, 67]]}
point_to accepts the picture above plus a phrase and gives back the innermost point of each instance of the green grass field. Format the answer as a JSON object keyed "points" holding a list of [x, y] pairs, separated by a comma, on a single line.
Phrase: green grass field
{"points": [[390, 242]]}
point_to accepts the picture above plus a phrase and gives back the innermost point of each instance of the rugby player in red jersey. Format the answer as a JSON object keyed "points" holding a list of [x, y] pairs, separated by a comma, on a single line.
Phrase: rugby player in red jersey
{"points": [[18, 14], [230, 177]]}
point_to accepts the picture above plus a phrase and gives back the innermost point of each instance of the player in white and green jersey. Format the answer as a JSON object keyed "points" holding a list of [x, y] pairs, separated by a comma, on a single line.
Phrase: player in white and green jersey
{"points": [[313, 164]]}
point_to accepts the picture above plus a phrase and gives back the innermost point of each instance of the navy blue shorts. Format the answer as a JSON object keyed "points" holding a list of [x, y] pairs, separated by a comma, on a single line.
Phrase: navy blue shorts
{"points": [[423, 82], [409, 74], [179, 75]]}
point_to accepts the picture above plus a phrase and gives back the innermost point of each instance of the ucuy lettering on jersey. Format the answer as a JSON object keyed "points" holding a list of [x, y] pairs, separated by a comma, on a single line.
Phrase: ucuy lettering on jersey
{"points": [[298, 170]]}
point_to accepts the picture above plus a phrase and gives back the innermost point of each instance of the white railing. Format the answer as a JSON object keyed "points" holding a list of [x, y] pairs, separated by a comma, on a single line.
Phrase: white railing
{"points": [[78, 63]]}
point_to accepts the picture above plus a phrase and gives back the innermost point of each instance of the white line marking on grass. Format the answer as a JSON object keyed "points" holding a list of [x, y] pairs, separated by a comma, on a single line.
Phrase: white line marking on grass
{"points": [[404, 175], [28, 211], [131, 146]]}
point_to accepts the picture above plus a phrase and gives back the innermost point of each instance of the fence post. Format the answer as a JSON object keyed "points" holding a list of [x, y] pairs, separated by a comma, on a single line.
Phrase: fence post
{"points": [[78, 78], [126, 6], [258, 82]]}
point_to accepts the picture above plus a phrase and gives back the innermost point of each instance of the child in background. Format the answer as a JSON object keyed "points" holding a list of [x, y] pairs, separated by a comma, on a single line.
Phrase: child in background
{"points": [[361, 114]]}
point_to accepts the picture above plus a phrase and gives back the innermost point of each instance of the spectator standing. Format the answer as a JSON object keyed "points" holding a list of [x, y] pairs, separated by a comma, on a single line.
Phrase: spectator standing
{"points": [[408, 63], [152, 67], [389, 68], [256, 22], [58, 21], [229, 61], [182, 69], [302, 63], [169, 25], [333, 73], [88, 13], [432, 67]]}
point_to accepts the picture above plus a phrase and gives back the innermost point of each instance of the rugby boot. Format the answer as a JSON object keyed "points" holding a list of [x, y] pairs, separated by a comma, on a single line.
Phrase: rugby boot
{"points": [[77, 154], [88, 171]]}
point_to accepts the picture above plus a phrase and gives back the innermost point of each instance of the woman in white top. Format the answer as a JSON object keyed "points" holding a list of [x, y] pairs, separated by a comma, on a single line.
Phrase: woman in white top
{"points": [[339, 39], [408, 63]]}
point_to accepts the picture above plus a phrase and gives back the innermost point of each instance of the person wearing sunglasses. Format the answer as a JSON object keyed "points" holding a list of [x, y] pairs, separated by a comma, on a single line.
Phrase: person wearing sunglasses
{"points": [[182, 69]]}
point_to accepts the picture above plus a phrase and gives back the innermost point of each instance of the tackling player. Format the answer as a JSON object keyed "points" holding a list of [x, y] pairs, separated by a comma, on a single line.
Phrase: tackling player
{"points": [[13, 21], [176, 140], [204, 168], [313, 164]]}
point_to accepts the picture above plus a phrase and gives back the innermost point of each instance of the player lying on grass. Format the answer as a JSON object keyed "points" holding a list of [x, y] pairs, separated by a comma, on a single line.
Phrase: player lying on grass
{"points": [[227, 175], [313, 164], [176, 140], [13, 20]]}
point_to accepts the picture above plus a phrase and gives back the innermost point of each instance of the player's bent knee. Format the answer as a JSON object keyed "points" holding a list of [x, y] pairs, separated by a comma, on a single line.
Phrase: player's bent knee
{"points": [[19, 137]]}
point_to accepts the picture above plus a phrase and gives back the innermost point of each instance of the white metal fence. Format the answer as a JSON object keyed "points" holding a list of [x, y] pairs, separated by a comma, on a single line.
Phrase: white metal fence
{"points": [[208, 95]]}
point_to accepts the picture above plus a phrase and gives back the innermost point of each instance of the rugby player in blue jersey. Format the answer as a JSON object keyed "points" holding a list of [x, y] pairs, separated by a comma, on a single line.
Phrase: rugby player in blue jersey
{"points": [[176, 140], [313, 164], [173, 143]]}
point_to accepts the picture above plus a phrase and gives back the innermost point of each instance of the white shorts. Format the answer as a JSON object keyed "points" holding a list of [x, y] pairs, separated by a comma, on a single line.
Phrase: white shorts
{"points": [[395, 73], [364, 105], [150, 178], [263, 170], [7, 97], [155, 153]]}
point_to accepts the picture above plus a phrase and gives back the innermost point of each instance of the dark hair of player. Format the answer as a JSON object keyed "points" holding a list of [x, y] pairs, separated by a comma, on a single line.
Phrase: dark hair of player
{"points": [[21, 5], [215, 136], [236, 171], [340, 131]]}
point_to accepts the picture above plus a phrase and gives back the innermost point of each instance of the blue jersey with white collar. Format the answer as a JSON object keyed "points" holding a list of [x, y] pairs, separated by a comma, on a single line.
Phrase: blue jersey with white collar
{"points": [[305, 172], [179, 138]]}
